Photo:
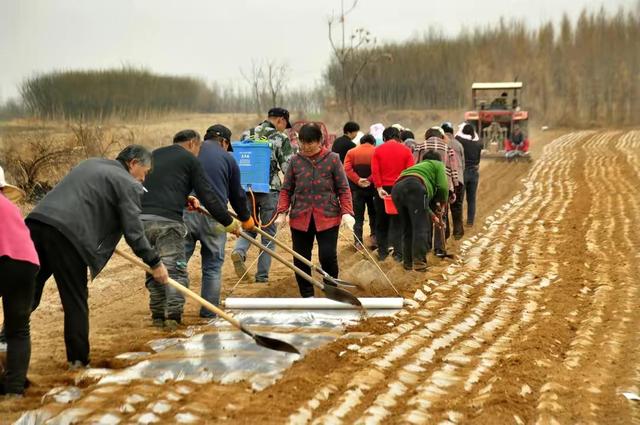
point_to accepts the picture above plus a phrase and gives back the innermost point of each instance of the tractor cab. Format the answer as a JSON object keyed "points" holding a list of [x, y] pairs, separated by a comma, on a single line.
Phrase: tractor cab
{"points": [[499, 119]]}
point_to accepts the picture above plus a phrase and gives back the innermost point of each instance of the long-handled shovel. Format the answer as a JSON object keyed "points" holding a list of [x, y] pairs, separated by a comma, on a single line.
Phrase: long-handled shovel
{"points": [[443, 236], [284, 246], [330, 291], [263, 341]]}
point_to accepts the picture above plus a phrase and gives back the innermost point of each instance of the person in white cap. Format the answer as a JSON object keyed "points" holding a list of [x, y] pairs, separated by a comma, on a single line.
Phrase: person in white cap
{"points": [[19, 265], [11, 192]]}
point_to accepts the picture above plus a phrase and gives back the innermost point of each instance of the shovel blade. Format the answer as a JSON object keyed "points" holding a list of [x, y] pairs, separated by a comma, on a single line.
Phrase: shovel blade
{"points": [[340, 295], [339, 282], [274, 344], [270, 343]]}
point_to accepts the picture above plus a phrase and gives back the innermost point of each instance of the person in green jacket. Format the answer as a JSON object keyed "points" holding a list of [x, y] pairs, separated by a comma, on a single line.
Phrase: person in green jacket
{"points": [[416, 188]]}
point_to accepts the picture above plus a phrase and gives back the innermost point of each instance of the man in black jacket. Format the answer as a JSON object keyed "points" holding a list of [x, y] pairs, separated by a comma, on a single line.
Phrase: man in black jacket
{"points": [[176, 173], [224, 175], [344, 143], [78, 225]]}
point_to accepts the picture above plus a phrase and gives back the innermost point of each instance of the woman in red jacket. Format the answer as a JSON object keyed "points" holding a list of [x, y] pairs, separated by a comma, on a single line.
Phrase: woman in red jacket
{"points": [[316, 195]]}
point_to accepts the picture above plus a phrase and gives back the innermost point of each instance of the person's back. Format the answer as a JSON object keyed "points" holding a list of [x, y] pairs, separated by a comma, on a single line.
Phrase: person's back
{"points": [[471, 144], [433, 175], [218, 166], [169, 182], [85, 208], [389, 160], [345, 142], [360, 159], [281, 150]]}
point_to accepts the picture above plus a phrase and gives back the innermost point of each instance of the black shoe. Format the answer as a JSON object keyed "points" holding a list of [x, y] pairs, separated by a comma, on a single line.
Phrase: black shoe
{"points": [[420, 265], [458, 237], [397, 258], [440, 253], [407, 267], [176, 318], [382, 257]]}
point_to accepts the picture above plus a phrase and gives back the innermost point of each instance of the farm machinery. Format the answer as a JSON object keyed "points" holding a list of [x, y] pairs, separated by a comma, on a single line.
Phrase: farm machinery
{"points": [[499, 120]]}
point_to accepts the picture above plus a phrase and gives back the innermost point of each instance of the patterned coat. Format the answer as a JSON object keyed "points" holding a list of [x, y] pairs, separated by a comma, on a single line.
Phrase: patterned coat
{"points": [[315, 186]]}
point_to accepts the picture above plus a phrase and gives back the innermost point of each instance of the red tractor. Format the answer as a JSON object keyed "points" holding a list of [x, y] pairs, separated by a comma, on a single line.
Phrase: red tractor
{"points": [[499, 120]]}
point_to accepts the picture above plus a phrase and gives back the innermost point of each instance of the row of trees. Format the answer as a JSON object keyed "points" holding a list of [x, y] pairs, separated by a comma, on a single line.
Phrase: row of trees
{"points": [[131, 93], [103, 93], [574, 74]]}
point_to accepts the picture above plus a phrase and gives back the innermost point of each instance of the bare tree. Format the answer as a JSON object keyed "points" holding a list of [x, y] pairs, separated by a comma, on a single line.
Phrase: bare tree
{"points": [[255, 79], [276, 74], [352, 56]]}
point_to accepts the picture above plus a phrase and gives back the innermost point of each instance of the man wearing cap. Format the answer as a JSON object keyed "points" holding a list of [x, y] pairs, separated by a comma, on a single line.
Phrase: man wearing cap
{"points": [[272, 131], [224, 176]]}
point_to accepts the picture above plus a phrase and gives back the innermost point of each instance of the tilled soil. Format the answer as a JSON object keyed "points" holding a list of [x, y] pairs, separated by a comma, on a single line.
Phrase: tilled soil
{"points": [[535, 323]]}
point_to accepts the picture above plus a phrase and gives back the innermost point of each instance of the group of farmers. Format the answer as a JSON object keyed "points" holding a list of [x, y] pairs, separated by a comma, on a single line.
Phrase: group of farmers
{"points": [[166, 200]]}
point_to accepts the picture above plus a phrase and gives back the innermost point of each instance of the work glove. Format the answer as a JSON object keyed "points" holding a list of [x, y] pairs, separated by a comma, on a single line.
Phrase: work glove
{"points": [[193, 203], [280, 220], [234, 227], [382, 193], [248, 225], [348, 221]]}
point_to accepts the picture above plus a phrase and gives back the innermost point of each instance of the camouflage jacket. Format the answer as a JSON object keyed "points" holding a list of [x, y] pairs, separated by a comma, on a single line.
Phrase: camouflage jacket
{"points": [[281, 151]]}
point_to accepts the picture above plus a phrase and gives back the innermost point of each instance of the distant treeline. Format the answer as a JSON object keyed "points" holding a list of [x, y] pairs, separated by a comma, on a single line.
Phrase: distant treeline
{"points": [[131, 93], [103, 93], [587, 73]]}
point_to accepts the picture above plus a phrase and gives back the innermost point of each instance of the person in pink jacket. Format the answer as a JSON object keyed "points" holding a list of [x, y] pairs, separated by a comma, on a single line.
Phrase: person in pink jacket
{"points": [[18, 267]]}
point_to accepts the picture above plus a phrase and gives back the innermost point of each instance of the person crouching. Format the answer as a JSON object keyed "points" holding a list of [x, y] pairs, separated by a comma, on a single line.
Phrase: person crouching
{"points": [[316, 195], [414, 190]]}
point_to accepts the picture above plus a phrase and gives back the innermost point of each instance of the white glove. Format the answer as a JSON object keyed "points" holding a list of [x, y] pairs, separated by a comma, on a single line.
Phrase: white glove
{"points": [[281, 220], [348, 221]]}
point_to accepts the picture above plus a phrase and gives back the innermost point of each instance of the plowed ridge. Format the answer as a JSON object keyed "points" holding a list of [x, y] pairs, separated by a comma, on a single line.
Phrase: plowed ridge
{"points": [[513, 333]]}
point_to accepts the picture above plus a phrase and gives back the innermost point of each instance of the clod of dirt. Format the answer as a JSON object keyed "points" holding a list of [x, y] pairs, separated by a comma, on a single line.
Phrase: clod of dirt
{"points": [[367, 277]]}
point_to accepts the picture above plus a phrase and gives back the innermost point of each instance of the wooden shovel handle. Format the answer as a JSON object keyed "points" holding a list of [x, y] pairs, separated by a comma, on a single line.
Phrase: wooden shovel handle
{"points": [[184, 290]]}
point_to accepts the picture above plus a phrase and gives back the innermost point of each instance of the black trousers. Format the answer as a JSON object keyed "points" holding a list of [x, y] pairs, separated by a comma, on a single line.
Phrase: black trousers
{"points": [[456, 212], [17, 283], [58, 257], [387, 229], [327, 252], [364, 198], [410, 197]]}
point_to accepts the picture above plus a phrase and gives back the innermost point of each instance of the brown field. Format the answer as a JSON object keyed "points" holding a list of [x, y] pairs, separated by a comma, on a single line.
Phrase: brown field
{"points": [[536, 321]]}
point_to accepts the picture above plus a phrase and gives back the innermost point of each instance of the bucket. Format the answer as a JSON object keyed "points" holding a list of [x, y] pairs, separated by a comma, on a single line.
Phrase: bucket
{"points": [[389, 206]]}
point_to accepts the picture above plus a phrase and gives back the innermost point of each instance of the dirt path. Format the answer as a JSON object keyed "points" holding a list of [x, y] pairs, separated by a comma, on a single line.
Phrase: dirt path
{"points": [[536, 324]]}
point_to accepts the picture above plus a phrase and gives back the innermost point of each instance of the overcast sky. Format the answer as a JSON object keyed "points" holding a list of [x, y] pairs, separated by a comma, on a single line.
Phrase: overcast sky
{"points": [[212, 39]]}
